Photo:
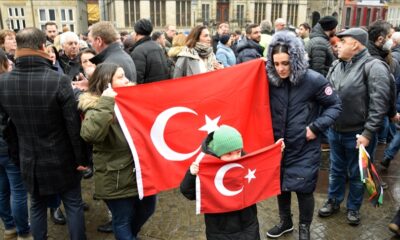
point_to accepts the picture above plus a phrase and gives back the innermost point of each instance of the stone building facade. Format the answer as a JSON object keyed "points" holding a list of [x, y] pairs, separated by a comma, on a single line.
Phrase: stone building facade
{"points": [[18, 14], [187, 13]]}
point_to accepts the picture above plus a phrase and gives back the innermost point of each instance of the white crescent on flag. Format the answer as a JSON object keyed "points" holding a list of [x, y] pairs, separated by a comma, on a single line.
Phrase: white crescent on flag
{"points": [[157, 134], [219, 180]]}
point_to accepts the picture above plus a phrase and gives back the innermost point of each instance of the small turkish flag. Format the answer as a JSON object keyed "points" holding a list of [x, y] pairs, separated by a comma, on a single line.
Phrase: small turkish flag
{"points": [[165, 122], [223, 186]]}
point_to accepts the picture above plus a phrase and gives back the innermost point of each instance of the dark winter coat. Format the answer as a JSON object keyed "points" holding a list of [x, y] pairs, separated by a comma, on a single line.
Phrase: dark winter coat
{"points": [[238, 225], [150, 61], [115, 54], [305, 99], [42, 106], [319, 51], [248, 50], [70, 67]]}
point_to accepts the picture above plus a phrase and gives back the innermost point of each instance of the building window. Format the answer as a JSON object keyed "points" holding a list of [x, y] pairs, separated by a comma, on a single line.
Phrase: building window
{"points": [[293, 8], [46, 15], [67, 18], [276, 10], [183, 13], [205, 12], [16, 17], [157, 13], [368, 18], [240, 15], [259, 11], [132, 12], [109, 10], [348, 17]]}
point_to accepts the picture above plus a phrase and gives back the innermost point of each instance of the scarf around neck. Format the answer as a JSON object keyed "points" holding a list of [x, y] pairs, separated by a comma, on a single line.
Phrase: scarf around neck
{"points": [[204, 50]]}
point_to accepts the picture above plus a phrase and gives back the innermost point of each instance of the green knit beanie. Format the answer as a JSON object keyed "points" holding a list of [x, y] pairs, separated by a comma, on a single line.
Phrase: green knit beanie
{"points": [[225, 139]]}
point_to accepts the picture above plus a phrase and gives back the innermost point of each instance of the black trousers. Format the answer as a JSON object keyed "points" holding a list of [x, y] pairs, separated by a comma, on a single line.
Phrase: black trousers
{"points": [[306, 206]]}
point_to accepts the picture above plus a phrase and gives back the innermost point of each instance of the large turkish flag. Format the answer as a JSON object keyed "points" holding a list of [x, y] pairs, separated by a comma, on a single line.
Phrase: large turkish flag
{"points": [[165, 122], [228, 186]]}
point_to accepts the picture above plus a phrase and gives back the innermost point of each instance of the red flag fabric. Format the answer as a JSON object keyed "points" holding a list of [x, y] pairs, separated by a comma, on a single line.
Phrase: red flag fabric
{"points": [[165, 122], [223, 186]]}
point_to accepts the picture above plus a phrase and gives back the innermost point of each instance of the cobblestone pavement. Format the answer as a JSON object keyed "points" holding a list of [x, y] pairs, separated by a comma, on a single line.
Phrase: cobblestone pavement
{"points": [[175, 217]]}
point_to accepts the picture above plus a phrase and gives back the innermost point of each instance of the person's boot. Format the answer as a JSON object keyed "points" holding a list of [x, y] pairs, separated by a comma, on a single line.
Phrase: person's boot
{"points": [[304, 231], [385, 162], [353, 217], [57, 216], [285, 226], [105, 228], [10, 234], [394, 225], [330, 207]]}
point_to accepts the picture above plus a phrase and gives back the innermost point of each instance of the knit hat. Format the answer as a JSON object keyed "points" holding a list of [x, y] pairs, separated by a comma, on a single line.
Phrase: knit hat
{"points": [[224, 38], [328, 23], [358, 34], [143, 27], [225, 139]]}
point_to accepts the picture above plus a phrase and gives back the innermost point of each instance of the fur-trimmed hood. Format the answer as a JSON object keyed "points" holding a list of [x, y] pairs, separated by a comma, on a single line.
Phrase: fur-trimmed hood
{"points": [[87, 101], [297, 57]]}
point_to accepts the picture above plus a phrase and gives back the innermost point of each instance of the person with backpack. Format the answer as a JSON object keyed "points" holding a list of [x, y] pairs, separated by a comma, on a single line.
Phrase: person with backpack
{"points": [[364, 85]]}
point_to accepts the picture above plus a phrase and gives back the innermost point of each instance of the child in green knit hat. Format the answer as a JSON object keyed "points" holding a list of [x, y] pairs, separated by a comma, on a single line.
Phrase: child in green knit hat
{"points": [[225, 143]]}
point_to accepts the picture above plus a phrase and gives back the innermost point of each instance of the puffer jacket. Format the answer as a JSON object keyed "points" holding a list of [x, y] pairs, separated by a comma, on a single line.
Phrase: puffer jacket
{"points": [[365, 98], [114, 169], [225, 55], [248, 50], [238, 225], [150, 61], [319, 51], [304, 99]]}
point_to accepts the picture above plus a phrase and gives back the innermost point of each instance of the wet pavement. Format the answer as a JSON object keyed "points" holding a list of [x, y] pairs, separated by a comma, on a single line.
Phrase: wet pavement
{"points": [[175, 217]]}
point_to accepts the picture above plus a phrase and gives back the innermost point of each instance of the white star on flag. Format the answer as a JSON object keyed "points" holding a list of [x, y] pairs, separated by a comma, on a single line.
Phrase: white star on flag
{"points": [[211, 125], [250, 175]]}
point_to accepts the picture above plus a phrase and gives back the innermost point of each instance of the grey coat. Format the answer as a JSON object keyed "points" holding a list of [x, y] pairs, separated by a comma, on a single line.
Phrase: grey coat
{"points": [[188, 63]]}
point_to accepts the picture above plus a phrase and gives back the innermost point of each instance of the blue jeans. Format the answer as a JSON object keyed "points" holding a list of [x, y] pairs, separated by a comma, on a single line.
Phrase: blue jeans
{"points": [[73, 205], [393, 147], [129, 215], [344, 163], [384, 130], [13, 197]]}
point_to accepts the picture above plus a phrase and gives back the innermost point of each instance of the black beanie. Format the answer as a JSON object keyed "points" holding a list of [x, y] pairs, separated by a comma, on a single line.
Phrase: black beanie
{"points": [[224, 38], [328, 23], [143, 27]]}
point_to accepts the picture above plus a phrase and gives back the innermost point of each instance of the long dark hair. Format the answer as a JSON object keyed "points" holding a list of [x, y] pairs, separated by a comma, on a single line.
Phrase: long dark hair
{"points": [[3, 62], [101, 77], [194, 36]]}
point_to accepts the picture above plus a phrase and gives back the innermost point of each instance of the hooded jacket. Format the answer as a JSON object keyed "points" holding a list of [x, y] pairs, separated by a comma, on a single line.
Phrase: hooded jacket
{"points": [[241, 224], [319, 51], [114, 168], [248, 50], [225, 55], [304, 99]]}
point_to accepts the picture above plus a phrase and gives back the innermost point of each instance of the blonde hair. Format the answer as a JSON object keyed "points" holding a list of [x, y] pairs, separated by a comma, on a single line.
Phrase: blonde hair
{"points": [[179, 40]]}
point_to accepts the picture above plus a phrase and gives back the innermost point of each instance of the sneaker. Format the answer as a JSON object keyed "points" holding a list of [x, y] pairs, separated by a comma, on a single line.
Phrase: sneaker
{"points": [[57, 216], [384, 185], [25, 237], [105, 228], [393, 227], [330, 207], [280, 229], [353, 217], [385, 163], [10, 234]]}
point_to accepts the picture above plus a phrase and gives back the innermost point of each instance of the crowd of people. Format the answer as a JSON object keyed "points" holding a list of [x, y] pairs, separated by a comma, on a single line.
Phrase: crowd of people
{"points": [[58, 124]]}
